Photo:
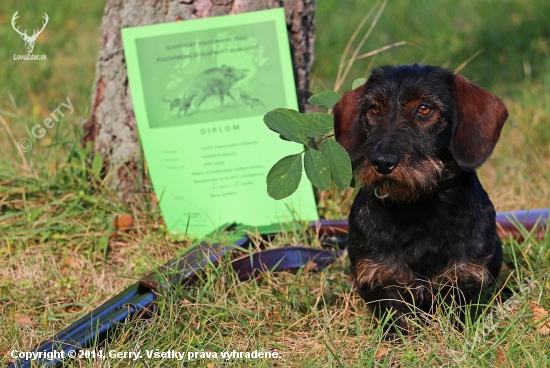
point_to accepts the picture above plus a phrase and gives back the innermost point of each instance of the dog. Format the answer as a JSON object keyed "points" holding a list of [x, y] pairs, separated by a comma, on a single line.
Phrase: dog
{"points": [[422, 229]]}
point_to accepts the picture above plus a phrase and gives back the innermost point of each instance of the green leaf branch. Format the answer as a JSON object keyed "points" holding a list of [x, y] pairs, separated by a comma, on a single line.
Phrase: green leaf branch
{"points": [[325, 161]]}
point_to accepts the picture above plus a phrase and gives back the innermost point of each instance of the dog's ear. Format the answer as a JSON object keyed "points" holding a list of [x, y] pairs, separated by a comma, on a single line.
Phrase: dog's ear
{"points": [[347, 122], [480, 117]]}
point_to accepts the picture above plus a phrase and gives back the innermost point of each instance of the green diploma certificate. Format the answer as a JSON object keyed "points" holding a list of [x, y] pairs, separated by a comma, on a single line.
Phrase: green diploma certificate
{"points": [[200, 89]]}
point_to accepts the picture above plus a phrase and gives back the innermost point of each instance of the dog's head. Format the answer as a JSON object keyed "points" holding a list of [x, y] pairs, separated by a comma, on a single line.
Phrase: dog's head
{"points": [[409, 128]]}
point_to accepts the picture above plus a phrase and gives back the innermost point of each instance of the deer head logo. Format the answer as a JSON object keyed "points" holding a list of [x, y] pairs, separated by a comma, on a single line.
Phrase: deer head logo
{"points": [[29, 40]]}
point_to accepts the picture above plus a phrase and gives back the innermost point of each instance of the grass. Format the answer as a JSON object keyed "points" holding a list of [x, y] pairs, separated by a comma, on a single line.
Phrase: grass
{"points": [[61, 255]]}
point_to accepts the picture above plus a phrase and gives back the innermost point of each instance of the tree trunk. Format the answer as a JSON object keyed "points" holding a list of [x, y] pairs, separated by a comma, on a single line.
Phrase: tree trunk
{"points": [[112, 125]]}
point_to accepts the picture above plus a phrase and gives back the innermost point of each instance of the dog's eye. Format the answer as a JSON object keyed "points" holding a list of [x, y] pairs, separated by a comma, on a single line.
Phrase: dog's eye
{"points": [[424, 110], [374, 109]]}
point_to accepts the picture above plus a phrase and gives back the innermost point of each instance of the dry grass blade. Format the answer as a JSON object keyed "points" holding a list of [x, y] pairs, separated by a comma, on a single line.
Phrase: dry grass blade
{"points": [[21, 155], [381, 49], [351, 39], [463, 65], [340, 81]]}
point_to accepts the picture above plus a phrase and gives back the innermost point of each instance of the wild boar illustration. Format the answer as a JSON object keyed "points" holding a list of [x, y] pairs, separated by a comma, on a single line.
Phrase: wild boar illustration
{"points": [[211, 82]]}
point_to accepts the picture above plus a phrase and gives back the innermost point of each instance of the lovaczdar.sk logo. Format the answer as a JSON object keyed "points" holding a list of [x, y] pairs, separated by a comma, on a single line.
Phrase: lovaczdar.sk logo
{"points": [[29, 40]]}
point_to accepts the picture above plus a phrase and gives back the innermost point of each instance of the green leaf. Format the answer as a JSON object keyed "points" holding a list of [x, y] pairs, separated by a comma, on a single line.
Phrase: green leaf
{"points": [[325, 99], [339, 163], [283, 138], [358, 82], [317, 124], [284, 177], [317, 169], [287, 123], [97, 163]]}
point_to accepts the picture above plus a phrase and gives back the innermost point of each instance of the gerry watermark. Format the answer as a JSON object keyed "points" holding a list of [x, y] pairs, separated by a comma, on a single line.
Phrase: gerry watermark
{"points": [[29, 40], [38, 130]]}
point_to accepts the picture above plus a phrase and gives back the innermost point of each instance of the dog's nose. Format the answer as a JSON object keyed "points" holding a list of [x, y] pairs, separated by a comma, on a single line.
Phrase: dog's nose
{"points": [[384, 163]]}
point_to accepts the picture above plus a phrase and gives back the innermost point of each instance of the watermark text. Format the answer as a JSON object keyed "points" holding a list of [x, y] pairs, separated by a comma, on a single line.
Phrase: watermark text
{"points": [[38, 130]]}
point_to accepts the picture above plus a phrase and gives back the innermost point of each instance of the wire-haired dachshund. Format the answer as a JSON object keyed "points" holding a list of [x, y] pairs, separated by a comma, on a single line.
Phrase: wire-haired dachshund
{"points": [[422, 228]]}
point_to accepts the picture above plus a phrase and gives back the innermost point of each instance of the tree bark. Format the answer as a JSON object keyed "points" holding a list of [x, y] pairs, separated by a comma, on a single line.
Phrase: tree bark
{"points": [[112, 125]]}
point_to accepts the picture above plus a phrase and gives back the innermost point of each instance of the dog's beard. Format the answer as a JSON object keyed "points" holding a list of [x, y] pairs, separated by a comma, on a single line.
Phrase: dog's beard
{"points": [[406, 183]]}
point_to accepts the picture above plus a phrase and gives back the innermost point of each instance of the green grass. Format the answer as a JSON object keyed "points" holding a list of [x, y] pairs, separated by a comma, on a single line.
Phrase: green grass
{"points": [[514, 37], [61, 255]]}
